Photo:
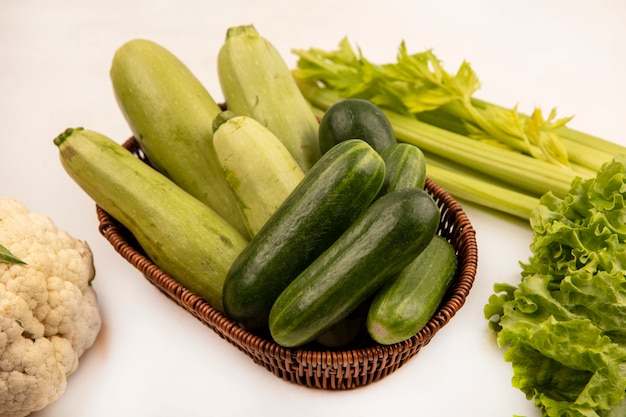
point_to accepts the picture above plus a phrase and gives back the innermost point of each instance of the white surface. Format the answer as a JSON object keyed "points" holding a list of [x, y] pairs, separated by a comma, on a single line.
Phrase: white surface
{"points": [[152, 358]]}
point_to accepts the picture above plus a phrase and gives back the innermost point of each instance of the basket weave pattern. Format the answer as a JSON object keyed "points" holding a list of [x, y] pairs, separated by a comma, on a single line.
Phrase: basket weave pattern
{"points": [[326, 369]]}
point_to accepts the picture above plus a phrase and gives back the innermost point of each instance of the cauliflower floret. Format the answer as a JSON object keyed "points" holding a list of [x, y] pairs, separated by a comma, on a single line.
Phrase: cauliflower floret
{"points": [[49, 314]]}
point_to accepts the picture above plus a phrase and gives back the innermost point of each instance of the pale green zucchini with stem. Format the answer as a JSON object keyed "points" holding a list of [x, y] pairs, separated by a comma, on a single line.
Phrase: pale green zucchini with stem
{"points": [[170, 114], [257, 166], [180, 234], [256, 82]]}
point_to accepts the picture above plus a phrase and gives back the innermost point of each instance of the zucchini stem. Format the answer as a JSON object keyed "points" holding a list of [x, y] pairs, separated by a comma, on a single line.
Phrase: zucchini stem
{"points": [[65, 134], [222, 118], [243, 30]]}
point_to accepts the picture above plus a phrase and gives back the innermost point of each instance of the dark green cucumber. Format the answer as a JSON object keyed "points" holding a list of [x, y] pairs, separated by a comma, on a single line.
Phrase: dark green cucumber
{"points": [[377, 246], [347, 330], [342, 333], [400, 309], [406, 167], [180, 234], [355, 119], [327, 200]]}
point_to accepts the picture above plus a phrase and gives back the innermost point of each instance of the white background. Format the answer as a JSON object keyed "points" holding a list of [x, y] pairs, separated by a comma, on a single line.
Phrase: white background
{"points": [[152, 358]]}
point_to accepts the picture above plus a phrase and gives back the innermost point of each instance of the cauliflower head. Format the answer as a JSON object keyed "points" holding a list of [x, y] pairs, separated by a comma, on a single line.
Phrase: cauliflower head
{"points": [[49, 314]]}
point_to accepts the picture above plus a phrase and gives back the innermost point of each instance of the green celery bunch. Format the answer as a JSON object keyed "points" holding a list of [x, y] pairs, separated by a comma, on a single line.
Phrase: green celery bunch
{"points": [[498, 151], [418, 83], [564, 326]]}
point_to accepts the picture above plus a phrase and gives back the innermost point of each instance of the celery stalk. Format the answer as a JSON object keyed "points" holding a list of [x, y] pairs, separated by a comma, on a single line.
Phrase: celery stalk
{"points": [[591, 141], [584, 158], [519, 170], [483, 193]]}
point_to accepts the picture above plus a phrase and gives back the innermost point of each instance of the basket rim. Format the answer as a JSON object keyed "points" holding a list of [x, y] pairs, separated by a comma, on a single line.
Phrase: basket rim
{"points": [[467, 255]]}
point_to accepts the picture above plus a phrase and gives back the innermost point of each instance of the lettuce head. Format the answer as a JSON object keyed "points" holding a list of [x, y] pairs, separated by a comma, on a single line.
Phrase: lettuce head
{"points": [[563, 328]]}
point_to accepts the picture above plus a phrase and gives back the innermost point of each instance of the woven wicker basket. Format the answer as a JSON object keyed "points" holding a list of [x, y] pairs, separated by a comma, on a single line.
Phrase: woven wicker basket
{"points": [[313, 366]]}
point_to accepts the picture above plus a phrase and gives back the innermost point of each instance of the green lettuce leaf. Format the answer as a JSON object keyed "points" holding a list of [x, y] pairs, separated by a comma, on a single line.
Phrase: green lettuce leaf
{"points": [[564, 326]]}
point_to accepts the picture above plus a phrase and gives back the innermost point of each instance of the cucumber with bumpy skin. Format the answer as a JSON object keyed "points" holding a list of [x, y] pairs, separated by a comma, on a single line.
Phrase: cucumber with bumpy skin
{"points": [[406, 167], [377, 246], [257, 166], [402, 308], [328, 199], [355, 119], [180, 234], [256, 82], [170, 114]]}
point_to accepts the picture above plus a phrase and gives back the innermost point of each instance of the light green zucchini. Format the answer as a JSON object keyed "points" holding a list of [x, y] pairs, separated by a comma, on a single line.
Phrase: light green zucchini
{"points": [[180, 234], [256, 82], [170, 114], [259, 169]]}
